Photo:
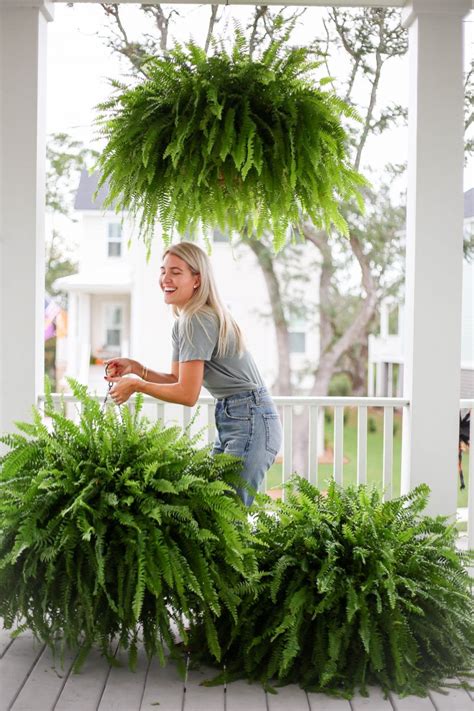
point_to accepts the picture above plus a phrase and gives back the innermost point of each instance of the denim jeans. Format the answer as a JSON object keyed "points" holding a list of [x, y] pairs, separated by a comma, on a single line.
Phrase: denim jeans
{"points": [[248, 426]]}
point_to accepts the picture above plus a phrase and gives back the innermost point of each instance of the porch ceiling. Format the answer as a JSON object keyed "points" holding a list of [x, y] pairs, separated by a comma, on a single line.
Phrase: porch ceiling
{"points": [[308, 3]]}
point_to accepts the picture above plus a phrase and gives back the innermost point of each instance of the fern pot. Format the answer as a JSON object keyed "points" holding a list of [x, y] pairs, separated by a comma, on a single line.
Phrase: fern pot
{"points": [[112, 530], [354, 591], [246, 144]]}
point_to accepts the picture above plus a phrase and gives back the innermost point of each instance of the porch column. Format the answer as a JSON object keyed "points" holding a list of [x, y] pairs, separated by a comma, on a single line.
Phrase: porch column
{"points": [[434, 256], [22, 195]]}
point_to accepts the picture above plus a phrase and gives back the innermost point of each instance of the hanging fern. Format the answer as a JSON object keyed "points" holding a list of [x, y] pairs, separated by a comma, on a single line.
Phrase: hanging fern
{"points": [[111, 529], [354, 591], [228, 141]]}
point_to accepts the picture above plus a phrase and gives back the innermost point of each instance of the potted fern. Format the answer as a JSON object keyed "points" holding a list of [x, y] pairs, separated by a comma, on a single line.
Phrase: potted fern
{"points": [[229, 141], [353, 591], [113, 529]]}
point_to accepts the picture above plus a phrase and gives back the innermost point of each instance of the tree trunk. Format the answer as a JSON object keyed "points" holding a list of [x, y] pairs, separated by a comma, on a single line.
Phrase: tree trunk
{"points": [[282, 385]]}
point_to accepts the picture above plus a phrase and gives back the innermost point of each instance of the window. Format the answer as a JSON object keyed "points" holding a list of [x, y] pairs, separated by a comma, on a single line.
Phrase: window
{"points": [[297, 341], [114, 241], [297, 335], [113, 326]]}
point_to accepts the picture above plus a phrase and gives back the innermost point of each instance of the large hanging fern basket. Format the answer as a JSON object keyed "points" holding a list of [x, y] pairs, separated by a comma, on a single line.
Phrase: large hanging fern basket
{"points": [[114, 531], [228, 141], [354, 591]]}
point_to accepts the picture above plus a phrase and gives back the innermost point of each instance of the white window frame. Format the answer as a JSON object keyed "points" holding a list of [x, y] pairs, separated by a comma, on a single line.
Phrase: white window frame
{"points": [[110, 326], [298, 327], [113, 239]]}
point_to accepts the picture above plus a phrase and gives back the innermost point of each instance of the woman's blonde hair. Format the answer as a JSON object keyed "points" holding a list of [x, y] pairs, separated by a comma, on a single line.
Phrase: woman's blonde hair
{"points": [[206, 300]]}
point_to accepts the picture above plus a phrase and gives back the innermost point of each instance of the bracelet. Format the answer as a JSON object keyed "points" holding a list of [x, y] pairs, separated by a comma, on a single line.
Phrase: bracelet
{"points": [[144, 372]]}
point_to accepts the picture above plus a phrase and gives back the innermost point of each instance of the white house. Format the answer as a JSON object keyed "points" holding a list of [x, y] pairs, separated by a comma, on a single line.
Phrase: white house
{"points": [[386, 350], [116, 308]]}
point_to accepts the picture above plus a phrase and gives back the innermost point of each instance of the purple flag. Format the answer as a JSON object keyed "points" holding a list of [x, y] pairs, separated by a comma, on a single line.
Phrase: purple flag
{"points": [[51, 311]]}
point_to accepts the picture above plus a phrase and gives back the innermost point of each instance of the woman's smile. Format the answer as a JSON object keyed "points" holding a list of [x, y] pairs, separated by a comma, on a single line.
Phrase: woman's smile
{"points": [[176, 268]]}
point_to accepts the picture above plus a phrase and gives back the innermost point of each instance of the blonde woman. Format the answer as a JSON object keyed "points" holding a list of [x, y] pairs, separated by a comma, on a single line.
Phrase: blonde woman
{"points": [[209, 350]]}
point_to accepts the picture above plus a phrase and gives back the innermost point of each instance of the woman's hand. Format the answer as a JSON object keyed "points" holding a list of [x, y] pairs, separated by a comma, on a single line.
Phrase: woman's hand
{"points": [[122, 389], [117, 367]]}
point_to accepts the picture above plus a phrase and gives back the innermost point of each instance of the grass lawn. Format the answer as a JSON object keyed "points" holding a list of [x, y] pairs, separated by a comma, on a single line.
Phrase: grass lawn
{"points": [[374, 455]]}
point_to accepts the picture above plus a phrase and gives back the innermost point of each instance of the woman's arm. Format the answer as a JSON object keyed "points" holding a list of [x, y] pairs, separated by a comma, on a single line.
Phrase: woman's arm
{"points": [[118, 367], [183, 390], [151, 376]]}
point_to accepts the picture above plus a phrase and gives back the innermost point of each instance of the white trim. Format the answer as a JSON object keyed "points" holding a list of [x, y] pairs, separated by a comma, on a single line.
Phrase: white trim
{"points": [[415, 8], [46, 7]]}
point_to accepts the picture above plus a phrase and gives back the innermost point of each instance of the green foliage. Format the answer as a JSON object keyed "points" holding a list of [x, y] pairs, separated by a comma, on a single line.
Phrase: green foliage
{"points": [[114, 528], [340, 385], [372, 424], [230, 141], [353, 591]]}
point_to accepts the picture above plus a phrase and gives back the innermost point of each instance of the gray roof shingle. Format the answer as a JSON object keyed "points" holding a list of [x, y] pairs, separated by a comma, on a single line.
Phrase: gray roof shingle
{"points": [[469, 203], [87, 187]]}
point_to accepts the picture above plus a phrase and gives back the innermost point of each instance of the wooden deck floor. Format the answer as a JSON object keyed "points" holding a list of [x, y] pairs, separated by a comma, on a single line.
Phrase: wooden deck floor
{"points": [[30, 681]]}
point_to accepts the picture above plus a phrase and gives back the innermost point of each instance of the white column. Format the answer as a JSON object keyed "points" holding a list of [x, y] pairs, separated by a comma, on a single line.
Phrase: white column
{"points": [[84, 335], [72, 330], [22, 177], [432, 324]]}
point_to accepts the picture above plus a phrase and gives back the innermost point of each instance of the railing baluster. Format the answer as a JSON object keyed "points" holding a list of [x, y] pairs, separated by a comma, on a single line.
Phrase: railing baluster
{"points": [[390, 380], [185, 416], [313, 444], [338, 443], [287, 444], [470, 491], [362, 445], [160, 412], [387, 452], [211, 424]]}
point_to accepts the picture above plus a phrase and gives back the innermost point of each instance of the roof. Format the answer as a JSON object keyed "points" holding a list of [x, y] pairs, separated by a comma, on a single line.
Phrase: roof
{"points": [[103, 281], [469, 203], [87, 187]]}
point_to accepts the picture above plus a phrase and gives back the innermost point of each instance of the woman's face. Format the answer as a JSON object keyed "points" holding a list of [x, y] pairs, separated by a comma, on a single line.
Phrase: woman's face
{"points": [[177, 281]]}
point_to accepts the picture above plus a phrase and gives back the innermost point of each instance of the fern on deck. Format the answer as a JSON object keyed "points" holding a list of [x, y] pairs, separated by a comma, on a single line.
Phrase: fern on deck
{"points": [[352, 591], [111, 529]]}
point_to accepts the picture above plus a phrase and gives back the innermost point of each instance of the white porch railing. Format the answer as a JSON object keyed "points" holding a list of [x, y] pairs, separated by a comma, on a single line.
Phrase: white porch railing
{"points": [[316, 426]]}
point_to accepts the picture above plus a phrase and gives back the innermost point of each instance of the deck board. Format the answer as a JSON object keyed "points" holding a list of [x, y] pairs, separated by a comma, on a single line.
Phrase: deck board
{"points": [[288, 697], [375, 700], [31, 680], [202, 698], [16, 666], [83, 690], [5, 640], [322, 702], [124, 688], [45, 683], [241, 695], [164, 688], [457, 699], [411, 703]]}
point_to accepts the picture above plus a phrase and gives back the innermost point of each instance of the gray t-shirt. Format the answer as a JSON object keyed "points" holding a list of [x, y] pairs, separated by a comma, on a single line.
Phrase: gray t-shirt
{"points": [[222, 376]]}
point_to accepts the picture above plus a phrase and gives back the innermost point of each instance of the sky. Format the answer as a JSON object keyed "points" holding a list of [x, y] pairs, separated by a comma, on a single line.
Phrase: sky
{"points": [[80, 64]]}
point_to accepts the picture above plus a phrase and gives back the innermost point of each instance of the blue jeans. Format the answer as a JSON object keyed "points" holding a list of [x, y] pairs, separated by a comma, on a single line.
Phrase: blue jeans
{"points": [[248, 426]]}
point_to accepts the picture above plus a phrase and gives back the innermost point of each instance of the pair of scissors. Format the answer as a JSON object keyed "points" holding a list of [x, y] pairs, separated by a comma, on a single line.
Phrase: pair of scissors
{"points": [[109, 389]]}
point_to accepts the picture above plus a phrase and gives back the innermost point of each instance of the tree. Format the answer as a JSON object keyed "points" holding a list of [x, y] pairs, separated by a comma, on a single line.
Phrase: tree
{"points": [[368, 38]]}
